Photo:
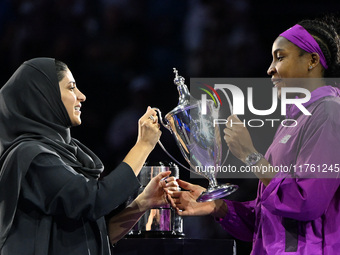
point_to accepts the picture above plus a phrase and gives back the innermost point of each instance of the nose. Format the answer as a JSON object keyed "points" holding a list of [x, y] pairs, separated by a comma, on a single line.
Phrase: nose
{"points": [[271, 70], [80, 96]]}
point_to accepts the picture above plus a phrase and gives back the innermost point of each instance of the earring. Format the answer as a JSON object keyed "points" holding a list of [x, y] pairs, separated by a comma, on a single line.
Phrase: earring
{"points": [[310, 67]]}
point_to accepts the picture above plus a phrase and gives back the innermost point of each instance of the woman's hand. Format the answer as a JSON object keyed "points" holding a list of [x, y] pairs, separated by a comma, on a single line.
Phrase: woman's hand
{"points": [[155, 193], [153, 196], [148, 136], [240, 144], [185, 201], [238, 138], [148, 128]]}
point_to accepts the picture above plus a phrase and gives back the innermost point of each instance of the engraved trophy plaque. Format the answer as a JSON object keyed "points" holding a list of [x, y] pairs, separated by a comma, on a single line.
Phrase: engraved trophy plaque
{"points": [[198, 140]]}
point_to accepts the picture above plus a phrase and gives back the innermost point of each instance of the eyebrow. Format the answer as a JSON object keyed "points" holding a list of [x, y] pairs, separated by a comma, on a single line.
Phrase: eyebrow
{"points": [[275, 51], [72, 82]]}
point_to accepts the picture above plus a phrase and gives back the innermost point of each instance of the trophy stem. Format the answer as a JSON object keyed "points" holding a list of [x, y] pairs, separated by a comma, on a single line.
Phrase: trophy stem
{"points": [[212, 182]]}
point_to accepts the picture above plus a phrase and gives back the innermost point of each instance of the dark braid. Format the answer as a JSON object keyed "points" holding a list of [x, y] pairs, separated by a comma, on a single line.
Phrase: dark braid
{"points": [[326, 33]]}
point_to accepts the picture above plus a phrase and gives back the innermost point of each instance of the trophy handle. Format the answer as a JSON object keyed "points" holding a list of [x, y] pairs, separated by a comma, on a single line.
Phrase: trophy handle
{"points": [[161, 119], [162, 146]]}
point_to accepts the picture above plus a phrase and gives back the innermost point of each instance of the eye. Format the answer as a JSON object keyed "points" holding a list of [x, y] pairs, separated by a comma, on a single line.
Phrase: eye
{"points": [[279, 58], [72, 88]]}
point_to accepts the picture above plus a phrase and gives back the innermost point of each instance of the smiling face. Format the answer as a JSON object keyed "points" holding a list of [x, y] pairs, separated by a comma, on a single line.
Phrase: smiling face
{"points": [[288, 62], [71, 97]]}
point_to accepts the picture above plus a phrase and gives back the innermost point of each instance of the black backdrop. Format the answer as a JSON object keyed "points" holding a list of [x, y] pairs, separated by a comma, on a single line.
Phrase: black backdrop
{"points": [[122, 52]]}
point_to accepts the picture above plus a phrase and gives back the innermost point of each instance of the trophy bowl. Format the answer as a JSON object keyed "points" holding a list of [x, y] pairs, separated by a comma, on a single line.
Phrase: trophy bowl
{"points": [[199, 141]]}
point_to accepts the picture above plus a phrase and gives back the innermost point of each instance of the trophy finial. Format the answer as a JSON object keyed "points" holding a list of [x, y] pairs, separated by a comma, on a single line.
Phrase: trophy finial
{"points": [[179, 80], [175, 72]]}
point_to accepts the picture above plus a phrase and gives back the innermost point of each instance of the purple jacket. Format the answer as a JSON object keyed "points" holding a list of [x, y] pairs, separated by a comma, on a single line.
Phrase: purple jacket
{"points": [[297, 215]]}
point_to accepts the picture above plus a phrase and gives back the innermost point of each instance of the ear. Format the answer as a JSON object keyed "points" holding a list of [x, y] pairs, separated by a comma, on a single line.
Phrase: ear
{"points": [[314, 60], [315, 65]]}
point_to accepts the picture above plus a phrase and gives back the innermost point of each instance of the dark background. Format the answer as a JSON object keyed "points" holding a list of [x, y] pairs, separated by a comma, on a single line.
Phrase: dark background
{"points": [[121, 53]]}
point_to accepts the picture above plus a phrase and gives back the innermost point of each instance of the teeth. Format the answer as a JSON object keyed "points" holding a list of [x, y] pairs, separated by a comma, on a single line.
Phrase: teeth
{"points": [[276, 82], [77, 108]]}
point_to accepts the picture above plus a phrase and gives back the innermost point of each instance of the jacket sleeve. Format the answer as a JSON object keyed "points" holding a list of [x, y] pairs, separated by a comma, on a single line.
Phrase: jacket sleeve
{"points": [[57, 189], [308, 195], [240, 219]]}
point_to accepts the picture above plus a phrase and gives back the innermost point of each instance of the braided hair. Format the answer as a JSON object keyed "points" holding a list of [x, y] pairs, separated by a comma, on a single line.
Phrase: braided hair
{"points": [[326, 33]]}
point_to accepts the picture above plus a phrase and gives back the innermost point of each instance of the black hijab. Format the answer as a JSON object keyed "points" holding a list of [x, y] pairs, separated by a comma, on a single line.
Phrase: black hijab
{"points": [[34, 120]]}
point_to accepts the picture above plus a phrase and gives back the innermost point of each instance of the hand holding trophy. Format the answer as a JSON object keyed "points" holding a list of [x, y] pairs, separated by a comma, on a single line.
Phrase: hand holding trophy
{"points": [[198, 140]]}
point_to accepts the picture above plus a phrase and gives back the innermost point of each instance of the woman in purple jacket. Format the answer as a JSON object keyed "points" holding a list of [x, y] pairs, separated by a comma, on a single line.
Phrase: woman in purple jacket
{"points": [[295, 212]]}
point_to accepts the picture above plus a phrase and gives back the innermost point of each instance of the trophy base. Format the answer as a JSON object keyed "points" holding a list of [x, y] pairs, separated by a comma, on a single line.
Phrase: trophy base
{"points": [[213, 193]]}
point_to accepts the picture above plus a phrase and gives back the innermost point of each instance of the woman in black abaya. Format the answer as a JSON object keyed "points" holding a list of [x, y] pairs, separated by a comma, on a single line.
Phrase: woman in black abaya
{"points": [[51, 201]]}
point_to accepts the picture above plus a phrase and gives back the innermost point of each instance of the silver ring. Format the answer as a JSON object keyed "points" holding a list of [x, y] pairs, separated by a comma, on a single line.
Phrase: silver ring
{"points": [[152, 118]]}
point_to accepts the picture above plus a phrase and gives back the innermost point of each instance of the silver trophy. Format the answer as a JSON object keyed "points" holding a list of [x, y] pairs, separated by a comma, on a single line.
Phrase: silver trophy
{"points": [[198, 140]]}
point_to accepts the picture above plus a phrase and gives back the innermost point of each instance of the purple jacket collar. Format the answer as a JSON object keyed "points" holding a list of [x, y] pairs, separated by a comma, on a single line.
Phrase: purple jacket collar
{"points": [[292, 112]]}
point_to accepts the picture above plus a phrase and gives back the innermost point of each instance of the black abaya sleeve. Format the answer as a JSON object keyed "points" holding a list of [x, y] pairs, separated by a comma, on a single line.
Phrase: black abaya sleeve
{"points": [[57, 189]]}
